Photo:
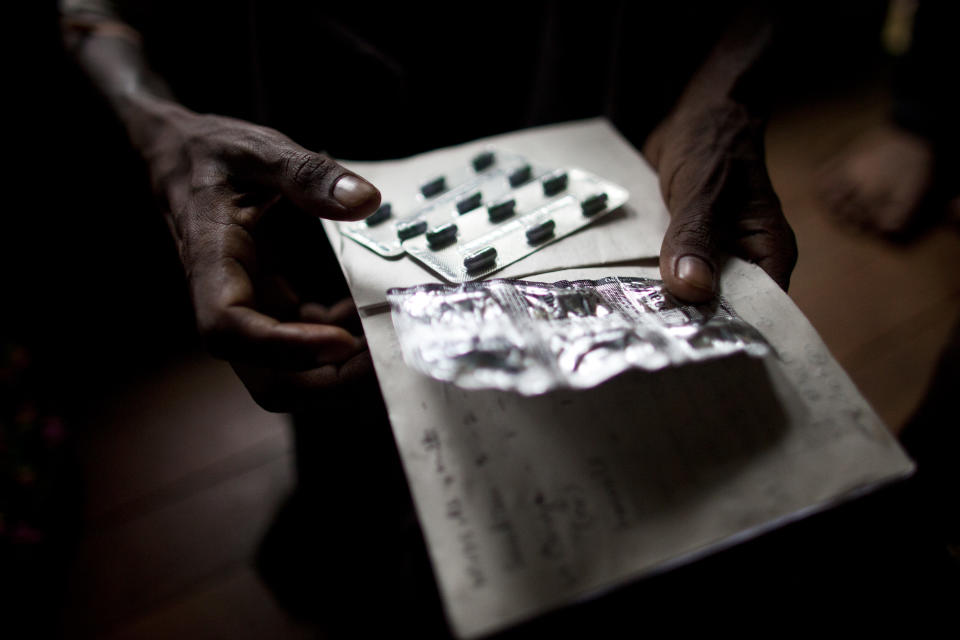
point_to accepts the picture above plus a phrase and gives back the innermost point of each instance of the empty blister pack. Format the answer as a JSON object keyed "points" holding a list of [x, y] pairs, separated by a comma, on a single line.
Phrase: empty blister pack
{"points": [[493, 234], [487, 177], [532, 337]]}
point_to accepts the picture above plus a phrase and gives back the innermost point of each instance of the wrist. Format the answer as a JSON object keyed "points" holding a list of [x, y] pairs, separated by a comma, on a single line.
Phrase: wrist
{"points": [[149, 118], [158, 130], [733, 75], [116, 66], [718, 124]]}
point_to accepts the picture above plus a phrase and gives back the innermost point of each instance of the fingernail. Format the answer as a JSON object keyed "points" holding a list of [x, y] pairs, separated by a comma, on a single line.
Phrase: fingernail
{"points": [[351, 191], [696, 272]]}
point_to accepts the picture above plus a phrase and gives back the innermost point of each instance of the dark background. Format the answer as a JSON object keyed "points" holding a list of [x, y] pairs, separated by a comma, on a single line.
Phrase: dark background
{"points": [[91, 284]]}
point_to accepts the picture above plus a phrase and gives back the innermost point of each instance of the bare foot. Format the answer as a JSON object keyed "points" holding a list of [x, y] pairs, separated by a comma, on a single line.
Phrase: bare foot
{"points": [[880, 183]]}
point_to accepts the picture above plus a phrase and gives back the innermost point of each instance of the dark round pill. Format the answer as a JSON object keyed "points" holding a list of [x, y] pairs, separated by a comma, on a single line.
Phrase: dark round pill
{"points": [[409, 230], [540, 232], [442, 235], [594, 204], [502, 210], [381, 214], [435, 186], [553, 185], [480, 259], [483, 160], [519, 176], [469, 203]]}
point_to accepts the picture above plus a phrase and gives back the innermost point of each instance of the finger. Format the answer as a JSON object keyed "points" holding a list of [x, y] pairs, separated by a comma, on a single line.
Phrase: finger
{"points": [[688, 264], [246, 335], [343, 314], [232, 324], [318, 185], [287, 391], [769, 242], [346, 315]]}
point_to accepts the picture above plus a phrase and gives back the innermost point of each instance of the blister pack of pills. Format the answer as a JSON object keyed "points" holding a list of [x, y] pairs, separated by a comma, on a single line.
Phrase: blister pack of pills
{"points": [[473, 221], [437, 199], [532, 337]]}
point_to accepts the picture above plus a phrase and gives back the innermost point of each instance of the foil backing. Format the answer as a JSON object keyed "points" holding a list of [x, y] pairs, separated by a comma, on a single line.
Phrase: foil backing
{"points": [[532, 337]]}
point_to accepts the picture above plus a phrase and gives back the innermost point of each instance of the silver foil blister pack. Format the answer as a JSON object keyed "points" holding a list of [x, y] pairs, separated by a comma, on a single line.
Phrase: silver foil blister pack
{"points": [[480, 217], [531, 337]]}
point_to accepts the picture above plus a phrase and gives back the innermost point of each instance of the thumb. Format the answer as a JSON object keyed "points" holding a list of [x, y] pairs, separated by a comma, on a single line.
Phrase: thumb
{"points": [[317, 184], [688, 262]]}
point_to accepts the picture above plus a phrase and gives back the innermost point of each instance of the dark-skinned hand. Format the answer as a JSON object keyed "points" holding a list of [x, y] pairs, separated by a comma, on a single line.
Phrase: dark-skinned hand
{"points": [[714, 180], [232, 192]]}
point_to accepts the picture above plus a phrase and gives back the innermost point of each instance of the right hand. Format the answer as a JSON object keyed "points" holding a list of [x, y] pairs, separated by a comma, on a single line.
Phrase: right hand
{"points": [[217, 178], [714, 180]]}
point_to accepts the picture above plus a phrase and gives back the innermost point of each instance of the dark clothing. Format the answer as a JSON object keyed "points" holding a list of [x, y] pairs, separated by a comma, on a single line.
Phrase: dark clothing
{"points": [[388, 81], [347, 549]]}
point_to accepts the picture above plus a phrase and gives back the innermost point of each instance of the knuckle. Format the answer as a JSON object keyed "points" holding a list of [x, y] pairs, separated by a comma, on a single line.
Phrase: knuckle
{"points": [[782, 249], [234, 143], [246, 146], [206, 183], [783, 240], [306, 168], [691, 232]]}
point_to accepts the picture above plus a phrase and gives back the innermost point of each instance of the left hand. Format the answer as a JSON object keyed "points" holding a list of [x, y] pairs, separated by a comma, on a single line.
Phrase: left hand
{"points": [[314, 390], [714, 180], [288, 288]]}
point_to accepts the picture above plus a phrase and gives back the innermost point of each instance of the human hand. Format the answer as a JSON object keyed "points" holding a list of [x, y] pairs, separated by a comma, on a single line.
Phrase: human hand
{"points": [[277, 389], [714, 181], [220, 180]]}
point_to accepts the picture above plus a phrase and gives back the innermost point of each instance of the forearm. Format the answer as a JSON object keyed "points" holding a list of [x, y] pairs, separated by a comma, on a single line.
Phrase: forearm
{"points": [[733, 70], [729, 83], [709, 152], [109, 52]]}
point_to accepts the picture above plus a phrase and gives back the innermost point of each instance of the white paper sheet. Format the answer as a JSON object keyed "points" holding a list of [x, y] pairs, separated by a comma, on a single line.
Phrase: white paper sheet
{"points": [[531, 503]]}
